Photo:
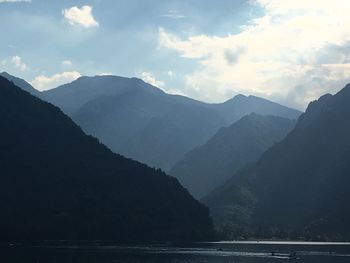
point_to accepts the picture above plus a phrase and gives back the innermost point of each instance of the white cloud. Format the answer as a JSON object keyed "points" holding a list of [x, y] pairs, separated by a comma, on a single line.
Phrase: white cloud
{"points": [[3, 62], [175, 92], [17, 62], [45, 83], [105, 74], [150, 78], [294, 53], [80, 16], [15, 1], [173, 14], [67, 63]]}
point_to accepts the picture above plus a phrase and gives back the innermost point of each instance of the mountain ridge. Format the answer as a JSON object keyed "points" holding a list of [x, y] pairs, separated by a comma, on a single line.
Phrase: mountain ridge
{"points": [[298, 186], [232, 147], [151, 116], [57, 183], [21, 83], [164, 126]]}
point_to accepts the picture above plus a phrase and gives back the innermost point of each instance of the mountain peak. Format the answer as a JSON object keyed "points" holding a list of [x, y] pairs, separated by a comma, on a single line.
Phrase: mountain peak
{"points": [[237, 97], [72, 96], [90, 193], [300, 183], [112, 81], [317, 104], [345, 91], [241, 105], [5, 74], [240, 96]]}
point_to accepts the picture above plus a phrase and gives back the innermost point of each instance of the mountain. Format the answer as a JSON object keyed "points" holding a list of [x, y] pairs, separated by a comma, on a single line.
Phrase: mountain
{"points": [[21, 83], [144, 123], [56, 183], [299, 187], [167, 138], [206, 167], [72, 96], [240, 105], [152, 128]]}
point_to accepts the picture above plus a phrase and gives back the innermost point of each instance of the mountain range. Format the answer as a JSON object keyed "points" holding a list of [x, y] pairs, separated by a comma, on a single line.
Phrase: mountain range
{"points": [[262, 174], [299, 187], [231, 148], [142, 122], [57, 183]]}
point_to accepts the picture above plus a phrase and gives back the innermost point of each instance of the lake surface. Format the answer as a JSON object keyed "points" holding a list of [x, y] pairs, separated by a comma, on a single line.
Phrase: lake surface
{"points": [[226, 252]]}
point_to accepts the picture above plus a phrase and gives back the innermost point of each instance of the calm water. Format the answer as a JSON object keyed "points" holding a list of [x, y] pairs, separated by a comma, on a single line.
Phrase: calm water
{"points": [[228, 252]]}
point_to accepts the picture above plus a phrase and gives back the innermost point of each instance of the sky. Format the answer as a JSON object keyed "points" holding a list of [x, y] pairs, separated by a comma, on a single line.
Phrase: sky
{"points": [[290, 51]]}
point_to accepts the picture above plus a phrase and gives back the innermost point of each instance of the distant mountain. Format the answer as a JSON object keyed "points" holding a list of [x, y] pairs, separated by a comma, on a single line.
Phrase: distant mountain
{"points": [[165, 139], [21, 83], [240, 105], [299, 187], [206, 167], [142, 122], [72, 96], [137, 120], [56, 183]]}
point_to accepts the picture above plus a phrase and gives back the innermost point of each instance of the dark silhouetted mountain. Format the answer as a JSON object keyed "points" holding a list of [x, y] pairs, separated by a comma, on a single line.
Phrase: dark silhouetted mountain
{"points": [[231, 148], [300, 186], [144, 123], [56, 183], [21, 83]]}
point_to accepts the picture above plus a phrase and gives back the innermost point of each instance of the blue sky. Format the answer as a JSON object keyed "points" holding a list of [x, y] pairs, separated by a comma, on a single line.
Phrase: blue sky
{"points": [[288, 51]]}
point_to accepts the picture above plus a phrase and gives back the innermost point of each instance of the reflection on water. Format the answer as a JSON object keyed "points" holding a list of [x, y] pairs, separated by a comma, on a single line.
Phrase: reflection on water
{"points": [[233, 252]]}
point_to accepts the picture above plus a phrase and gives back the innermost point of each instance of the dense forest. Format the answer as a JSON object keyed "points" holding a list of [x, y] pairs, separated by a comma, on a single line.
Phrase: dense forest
{"points": [[58, 183], [284, 180], [299, 187]]}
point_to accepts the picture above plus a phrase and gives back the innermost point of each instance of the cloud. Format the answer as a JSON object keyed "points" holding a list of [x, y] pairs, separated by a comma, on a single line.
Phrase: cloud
{"points": [[296, 51], [17, 62], [150, 79], [3, 62], [15, 1], [232, 55], [45, 83], [67, 63], [80, 16], [105, 74], [173, 14], [170, 73]]}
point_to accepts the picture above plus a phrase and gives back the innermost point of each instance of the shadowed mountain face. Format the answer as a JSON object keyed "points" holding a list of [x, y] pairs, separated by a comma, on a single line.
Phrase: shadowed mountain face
{"points": [[299, 185], [56, 183], [231, 148], [153, 128], [142, 122]]}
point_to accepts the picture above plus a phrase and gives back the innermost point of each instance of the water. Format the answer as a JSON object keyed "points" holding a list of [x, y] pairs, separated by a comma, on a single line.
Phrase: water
{"points": [[219, 252]]}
